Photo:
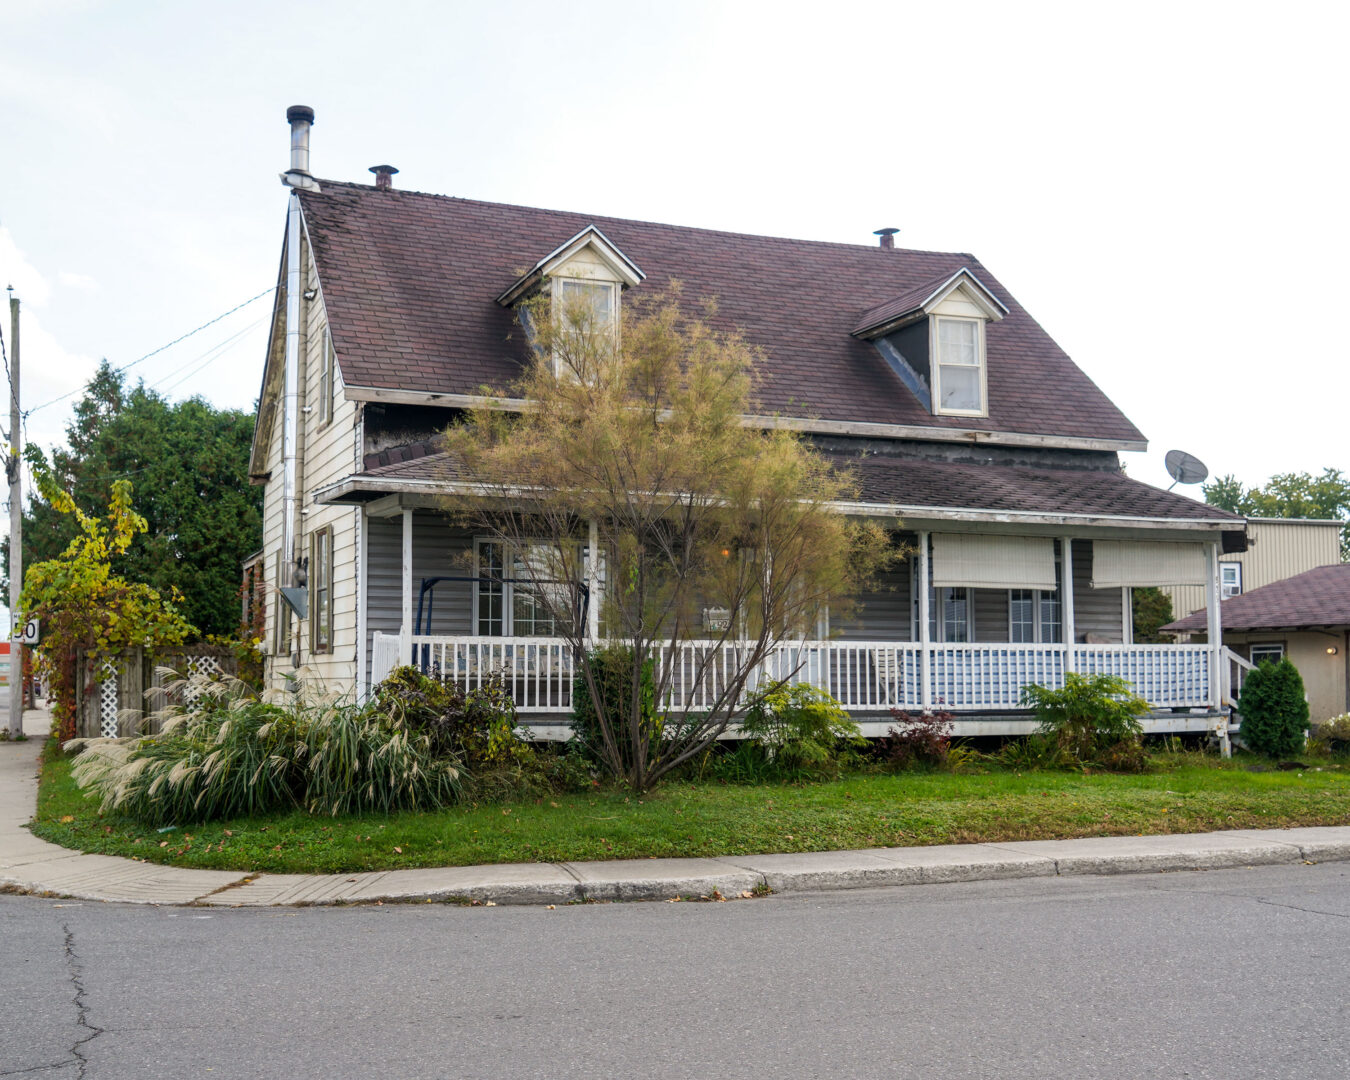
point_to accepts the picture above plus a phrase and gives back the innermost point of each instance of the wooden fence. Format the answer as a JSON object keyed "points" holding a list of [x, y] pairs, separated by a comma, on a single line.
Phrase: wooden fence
{"points": [[117, 697]]}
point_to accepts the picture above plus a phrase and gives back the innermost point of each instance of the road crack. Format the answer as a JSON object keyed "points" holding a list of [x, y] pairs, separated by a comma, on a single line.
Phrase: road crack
{"points": [[1305, 910], [76, 966]]}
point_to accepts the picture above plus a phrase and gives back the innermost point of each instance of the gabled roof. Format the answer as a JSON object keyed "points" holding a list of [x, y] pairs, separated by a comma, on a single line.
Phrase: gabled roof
{"points": [[589, 237], [410, 284], [922, 299], [1319, 597]]}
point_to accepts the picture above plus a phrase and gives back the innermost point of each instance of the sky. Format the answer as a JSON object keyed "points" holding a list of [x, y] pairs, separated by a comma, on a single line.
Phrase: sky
{"points": [[1161, 185]]}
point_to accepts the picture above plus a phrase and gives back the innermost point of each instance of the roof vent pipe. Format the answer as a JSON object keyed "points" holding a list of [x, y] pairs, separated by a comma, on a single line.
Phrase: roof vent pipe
{"points": [[384, 176], [887, 237], [301, 119]]}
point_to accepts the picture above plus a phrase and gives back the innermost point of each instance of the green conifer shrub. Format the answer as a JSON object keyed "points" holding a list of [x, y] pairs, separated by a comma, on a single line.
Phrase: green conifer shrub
{"points": [[1274, 710]]}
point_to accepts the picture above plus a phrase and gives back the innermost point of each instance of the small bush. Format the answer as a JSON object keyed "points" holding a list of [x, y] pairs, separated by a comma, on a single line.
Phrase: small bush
{"points": [[612, 668], [800, 729], [1334, 734], [476, 725], [1274, 710], [924, 739], [1092, 721]]}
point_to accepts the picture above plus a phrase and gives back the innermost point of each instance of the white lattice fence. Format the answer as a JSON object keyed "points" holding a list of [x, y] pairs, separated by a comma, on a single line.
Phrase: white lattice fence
{"points": [[125, 691], [108, 703]]}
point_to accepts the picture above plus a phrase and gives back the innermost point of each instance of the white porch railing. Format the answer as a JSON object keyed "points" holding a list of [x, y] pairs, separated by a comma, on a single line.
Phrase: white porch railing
{"points": [[863, 676]]}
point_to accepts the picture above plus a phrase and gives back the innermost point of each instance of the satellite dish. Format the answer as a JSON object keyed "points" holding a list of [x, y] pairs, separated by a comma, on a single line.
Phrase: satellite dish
{"points": [[1185, 468]]}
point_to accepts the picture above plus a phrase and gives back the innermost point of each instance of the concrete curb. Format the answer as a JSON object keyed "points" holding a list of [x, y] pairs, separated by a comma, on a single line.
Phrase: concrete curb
{"points": [[30, 865]]}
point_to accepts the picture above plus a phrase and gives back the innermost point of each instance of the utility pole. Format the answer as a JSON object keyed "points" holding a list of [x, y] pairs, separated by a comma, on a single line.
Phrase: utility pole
{"points": [[12, 467]]}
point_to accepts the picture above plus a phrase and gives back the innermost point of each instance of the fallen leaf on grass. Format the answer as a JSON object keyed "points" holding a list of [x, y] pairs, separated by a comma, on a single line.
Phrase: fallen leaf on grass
{"points": [[398, 850]]}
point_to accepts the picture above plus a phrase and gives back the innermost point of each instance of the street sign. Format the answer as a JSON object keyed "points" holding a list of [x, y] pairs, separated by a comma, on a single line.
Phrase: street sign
{"points": [[30, 633]]}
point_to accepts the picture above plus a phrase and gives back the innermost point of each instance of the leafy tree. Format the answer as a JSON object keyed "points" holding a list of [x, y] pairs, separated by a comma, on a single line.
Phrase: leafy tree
{"points": [[1152, 609], [189, 464], [1288, 495], [84, 606], [1274, 709], [640, 433]]}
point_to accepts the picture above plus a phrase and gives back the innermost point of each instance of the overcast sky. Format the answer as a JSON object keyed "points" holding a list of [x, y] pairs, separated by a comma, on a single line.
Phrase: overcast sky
{"points": [[1163, 186]]}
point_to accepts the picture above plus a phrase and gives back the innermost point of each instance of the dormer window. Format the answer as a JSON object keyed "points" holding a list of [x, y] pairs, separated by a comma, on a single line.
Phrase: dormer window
{"points": [[587, 304], [933, 338], [959, 366]]}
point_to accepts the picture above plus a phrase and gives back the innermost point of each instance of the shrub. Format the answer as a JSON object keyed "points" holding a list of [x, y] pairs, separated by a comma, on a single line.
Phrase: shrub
{"points": [[1333, 734], [917, 740], [1091, 720], [800, 729], [1274, 710], [612, 668], [476, 725]]}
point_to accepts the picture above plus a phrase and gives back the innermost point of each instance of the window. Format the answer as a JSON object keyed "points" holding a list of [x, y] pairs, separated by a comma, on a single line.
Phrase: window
{"points": [[518, 597], [1036, 615], [585, 312], [1230, 579], [327, 368], [283, 611], [320, 590], [950, 613], [1270, 652], [959, 366]]}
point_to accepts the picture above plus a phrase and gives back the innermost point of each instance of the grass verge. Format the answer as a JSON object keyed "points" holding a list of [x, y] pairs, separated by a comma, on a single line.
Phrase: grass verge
{"points": [[1189, 793]]}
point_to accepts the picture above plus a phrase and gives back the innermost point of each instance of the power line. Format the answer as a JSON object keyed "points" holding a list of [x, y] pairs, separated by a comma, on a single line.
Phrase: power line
{"points": [[156, 352], [219, 350]]}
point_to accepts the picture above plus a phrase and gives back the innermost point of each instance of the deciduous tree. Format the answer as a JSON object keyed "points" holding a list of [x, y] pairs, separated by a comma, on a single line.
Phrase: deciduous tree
{"points": [[636, 431], [1288, 495]]}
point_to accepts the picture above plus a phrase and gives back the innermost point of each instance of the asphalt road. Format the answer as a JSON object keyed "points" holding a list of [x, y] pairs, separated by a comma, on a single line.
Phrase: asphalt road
{"points": [[1236, 973]]}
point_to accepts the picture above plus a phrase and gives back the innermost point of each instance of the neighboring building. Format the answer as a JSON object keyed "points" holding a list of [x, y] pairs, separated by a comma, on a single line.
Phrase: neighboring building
{"points": [[1305, 618], [918, 369], [1277, 548]]}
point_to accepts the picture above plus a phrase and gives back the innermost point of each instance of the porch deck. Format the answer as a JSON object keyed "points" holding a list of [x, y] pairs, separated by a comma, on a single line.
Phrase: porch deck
{"points": [[867, 678]]}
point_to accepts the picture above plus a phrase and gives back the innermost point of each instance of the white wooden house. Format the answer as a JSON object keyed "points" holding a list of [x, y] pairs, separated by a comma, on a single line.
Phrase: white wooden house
{"points": [[959, 415]]}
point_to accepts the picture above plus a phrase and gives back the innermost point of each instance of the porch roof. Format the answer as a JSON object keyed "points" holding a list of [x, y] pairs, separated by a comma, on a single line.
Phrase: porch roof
{"points": [[906, 487], [1319, 597]]}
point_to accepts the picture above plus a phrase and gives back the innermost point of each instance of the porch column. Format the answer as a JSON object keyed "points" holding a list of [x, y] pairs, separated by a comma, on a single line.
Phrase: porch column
{"points": [[1214, 626], [593, 582], [925, 660], [405, 626], [1066, 599]]}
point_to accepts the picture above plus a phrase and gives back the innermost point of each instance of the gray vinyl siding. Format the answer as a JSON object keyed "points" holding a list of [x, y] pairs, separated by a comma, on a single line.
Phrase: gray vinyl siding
{"points": [[882, 614], [1095, 611], [437, 551]]}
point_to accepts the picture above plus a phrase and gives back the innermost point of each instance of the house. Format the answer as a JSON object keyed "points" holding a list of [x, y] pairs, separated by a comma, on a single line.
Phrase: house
{"points": [[962, 417], [1305, 618], [1277, 548]]}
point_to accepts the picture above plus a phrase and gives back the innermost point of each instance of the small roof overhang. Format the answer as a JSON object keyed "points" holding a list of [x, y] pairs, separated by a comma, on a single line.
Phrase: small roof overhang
{"points": [[919, 302], [620, 264]]}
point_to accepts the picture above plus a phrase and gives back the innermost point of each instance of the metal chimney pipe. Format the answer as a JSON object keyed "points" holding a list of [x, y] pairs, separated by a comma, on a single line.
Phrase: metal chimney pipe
{"points": [[887, 237], [301, 118], [384, 176]]}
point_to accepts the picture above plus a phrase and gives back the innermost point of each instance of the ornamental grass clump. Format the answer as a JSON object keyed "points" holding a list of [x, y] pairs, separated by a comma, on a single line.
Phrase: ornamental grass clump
{"points": [[229, 752]]}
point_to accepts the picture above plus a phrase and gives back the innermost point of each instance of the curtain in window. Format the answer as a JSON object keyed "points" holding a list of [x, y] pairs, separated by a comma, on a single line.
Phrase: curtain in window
{"points": [[1146, 562], [993, 562]]}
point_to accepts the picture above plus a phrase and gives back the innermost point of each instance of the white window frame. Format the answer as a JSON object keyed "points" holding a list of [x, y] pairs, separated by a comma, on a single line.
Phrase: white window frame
{"points": [[508, 587], [557, 286], [937, 631], [320, 579], [327, 371], [1234, 588], [1272, 650], [936, 365], [1038, 599]]}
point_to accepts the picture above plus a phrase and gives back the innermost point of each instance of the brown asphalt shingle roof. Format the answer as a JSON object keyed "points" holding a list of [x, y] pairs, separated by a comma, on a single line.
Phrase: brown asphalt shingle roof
{"points": [[410, 280], [913, 483], [1319, 597]]}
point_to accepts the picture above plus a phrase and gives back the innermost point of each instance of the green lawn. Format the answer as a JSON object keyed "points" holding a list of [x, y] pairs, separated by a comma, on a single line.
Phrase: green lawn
{"points": [[1189, 793]]}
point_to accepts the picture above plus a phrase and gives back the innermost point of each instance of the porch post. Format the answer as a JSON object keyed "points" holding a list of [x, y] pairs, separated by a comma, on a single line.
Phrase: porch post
{"points": [[1214, 622], [925, 660], [405, 626], [593, 581], [1066, 599]]}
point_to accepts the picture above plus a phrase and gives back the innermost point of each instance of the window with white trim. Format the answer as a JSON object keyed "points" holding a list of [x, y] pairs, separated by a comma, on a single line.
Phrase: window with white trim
{"points": [[320, 590], [519, 596], [951, 614], [327, 367], [1267, 652], [587, 310], [1230, 579], [958, 366], [1036, 615]]}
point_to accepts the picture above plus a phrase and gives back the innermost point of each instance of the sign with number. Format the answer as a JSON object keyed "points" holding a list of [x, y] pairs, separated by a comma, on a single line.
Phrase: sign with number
{"points": [[30, 633]]}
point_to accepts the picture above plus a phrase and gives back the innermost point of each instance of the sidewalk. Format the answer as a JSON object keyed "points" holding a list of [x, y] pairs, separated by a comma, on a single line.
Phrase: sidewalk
{"points": [[30, 865]]}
